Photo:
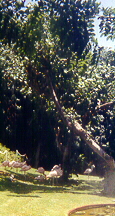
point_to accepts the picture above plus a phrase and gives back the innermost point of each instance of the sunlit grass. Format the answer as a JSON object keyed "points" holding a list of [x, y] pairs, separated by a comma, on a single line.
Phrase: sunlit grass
{"points": [[27, 197]]}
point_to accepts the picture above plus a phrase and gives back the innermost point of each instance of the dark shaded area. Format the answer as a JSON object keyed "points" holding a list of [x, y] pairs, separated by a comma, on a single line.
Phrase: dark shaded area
{"points": [[30, 131], [21, 187]]}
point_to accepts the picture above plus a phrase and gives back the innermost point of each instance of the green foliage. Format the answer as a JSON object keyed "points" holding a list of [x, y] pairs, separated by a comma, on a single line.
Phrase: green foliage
{"points": [[97, 86], [10, 15], [107, 24], [54, 37], [70, 24], [11, 155], [13, 71]]}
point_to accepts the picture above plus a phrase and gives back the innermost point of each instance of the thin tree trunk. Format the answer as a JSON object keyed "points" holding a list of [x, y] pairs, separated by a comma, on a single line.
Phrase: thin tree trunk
{"points": [[37, 156]]}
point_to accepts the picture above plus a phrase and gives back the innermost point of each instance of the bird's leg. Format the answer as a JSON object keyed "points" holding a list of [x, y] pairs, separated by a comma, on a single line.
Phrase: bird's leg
{"points": [[56, 181], [25, 175], [53, 181]]}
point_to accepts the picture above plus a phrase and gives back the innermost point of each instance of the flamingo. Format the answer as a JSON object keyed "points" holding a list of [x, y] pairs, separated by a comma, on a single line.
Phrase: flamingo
{"points": [[55, 174], [89, 170], [17, 164], [56, 167], [5, 163], [41, 170], [40, 178], [11, 163], [23, 163], [25, 168]]}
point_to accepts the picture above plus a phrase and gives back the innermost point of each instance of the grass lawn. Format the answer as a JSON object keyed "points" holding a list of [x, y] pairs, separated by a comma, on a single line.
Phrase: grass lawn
{"points": [[28, 197]]}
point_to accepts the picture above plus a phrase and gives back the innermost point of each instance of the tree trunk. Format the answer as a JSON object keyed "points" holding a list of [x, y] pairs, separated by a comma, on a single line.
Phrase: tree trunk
{"points": [[109, 183], [66, 162], [66, 154], [37, 155]]}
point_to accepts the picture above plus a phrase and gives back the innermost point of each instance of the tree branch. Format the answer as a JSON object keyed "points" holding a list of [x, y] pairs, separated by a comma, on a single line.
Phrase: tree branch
{"points": [[106, 105]]}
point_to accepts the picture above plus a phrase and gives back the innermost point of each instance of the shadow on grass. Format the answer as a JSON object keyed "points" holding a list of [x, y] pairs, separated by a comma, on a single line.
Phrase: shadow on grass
{"points": [[23, 185], [13, 195], [90, 187]]}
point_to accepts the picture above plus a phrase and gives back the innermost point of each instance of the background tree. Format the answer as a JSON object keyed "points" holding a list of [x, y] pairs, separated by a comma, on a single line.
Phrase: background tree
{"points": [[107, 23]]}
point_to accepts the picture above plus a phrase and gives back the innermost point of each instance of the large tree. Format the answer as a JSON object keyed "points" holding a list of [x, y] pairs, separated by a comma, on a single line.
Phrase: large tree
{"points": [[53, 38]]}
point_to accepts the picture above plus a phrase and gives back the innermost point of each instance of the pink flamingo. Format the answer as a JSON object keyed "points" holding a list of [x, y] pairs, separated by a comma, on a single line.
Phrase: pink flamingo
{"points": [[25, 168], [11, 163], [58, 172], [40, 178], [41, 170], [89, 170], [56, 167], [5, 163]]}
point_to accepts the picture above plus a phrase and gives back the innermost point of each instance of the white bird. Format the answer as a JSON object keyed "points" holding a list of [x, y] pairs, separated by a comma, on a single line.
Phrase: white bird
{"points": [[41, 170], [89, 170]]}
